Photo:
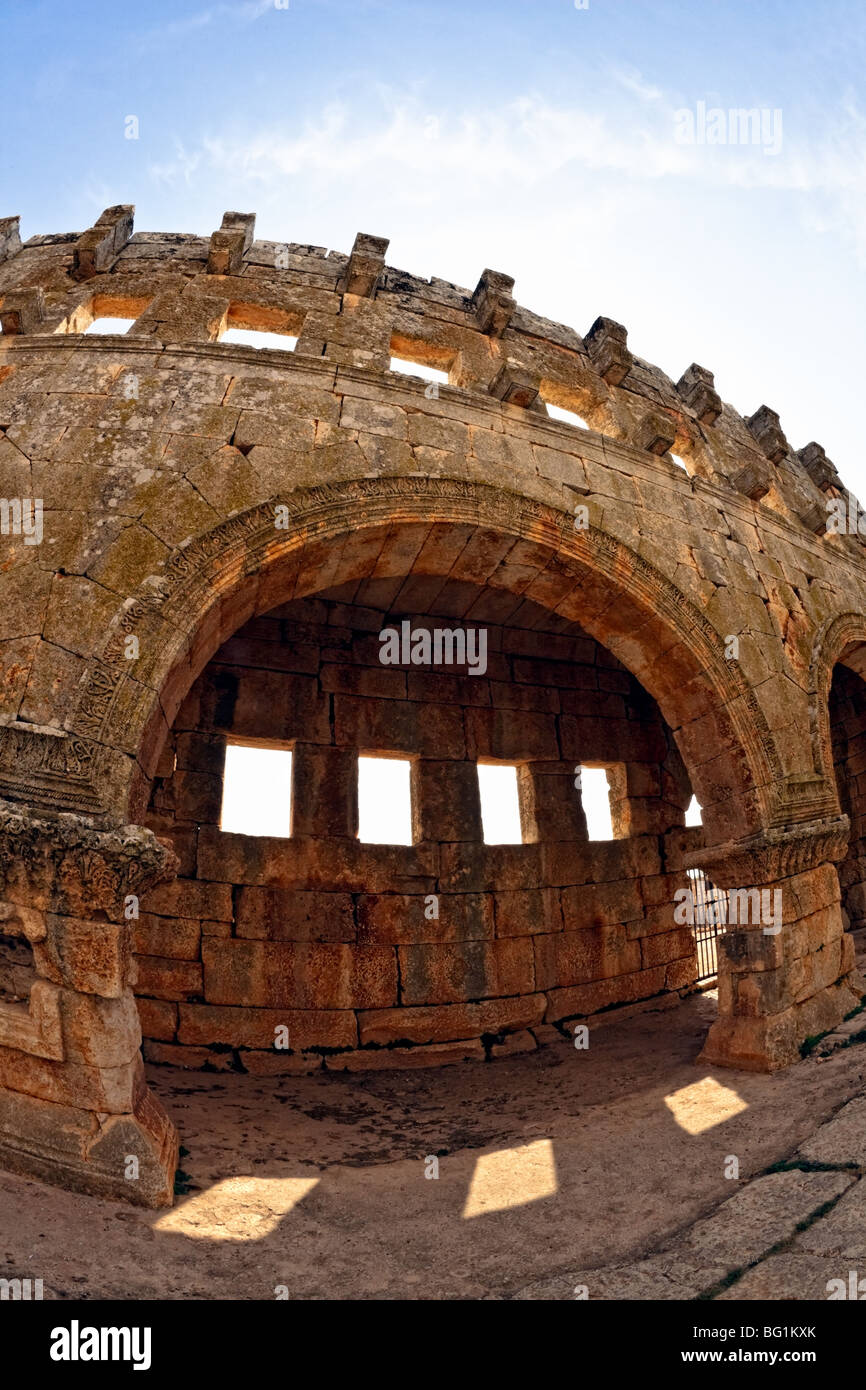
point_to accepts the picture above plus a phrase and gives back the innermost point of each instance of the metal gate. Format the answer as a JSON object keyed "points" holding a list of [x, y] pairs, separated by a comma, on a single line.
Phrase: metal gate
{"points": [[710, 917]]}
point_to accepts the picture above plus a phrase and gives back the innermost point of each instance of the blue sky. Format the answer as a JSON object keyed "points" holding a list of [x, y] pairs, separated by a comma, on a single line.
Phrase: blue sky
{"points": [[536, 138]]}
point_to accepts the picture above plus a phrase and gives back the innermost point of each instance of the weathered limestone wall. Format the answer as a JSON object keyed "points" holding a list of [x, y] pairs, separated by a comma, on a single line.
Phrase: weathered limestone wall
{"points": [[330, 937], [187, 486]]}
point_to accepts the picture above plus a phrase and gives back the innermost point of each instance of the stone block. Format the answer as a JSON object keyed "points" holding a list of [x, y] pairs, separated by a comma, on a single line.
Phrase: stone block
{"points": [[202, 1025], [229, 244], [453, 972], [310, 975], [407, 1058], [10, 239], [573, 958], [515, 385], [89, 957], [400, 919], [164, 978], [278, 914]]}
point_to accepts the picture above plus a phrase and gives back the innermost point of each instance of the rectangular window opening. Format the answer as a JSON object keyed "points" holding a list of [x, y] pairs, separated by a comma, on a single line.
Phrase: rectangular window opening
{"points": [[108, 324], [250, 337], [257, 791], [384, 800], [568, 417], [595, 799], [406, 368], [500, 803]]}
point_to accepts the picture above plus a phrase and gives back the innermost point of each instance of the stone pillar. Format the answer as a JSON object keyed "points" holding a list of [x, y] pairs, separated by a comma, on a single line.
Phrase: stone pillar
{"points": [[786, 966], [324, 791], [74, 1107], [446, 802], [550, 804]]}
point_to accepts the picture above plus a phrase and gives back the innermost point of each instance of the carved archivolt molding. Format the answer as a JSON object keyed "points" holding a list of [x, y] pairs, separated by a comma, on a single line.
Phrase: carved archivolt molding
{"points": [[185, 589]]}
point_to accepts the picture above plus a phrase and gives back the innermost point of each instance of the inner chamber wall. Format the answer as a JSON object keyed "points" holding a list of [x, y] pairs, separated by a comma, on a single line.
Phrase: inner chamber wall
{"points": [[848, 731], [336, 940]]}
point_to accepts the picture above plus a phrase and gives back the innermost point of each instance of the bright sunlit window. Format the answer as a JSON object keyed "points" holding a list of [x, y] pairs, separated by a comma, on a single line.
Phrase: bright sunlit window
{"points": [[500, 804], [693, 813], [595, 798], [399, 364], [257, 791], [384, 801], [250, 337], [568, 417], [110, 325]]}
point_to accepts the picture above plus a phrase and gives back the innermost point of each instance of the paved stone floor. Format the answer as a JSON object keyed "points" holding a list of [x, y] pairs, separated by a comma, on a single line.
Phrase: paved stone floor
{"points": [[557, 1168]]}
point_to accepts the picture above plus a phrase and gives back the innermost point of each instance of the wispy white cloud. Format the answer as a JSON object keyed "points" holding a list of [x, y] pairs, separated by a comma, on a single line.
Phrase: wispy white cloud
{"points": [[526, 142], [242, 12], [634, 82]]}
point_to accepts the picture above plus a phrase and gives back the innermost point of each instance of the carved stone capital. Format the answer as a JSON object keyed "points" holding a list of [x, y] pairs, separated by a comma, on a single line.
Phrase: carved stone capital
{"points": [[62, 864], [773, 854]]}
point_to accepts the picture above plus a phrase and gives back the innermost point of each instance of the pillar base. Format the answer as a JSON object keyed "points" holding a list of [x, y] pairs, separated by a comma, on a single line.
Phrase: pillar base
{"points": [[78, 1150], [774, 1041]]}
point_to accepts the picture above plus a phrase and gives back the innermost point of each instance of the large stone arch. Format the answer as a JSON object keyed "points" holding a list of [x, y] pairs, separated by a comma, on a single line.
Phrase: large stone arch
{"points": [[672, 563], [247, 565]]}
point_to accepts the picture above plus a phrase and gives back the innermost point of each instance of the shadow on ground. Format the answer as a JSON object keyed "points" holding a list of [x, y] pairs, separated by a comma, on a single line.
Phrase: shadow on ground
{"points": [[549, 1162]]}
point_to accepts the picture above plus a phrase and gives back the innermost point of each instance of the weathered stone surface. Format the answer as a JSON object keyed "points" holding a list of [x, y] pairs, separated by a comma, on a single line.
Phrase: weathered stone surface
{"points": [[842, 1140], [766, 1212], [226, 538]]}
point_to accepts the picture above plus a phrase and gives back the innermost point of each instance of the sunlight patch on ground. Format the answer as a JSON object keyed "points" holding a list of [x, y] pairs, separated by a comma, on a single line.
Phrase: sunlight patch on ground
{"points": [[511, 1178], [236, 1208], [703, 1105]]}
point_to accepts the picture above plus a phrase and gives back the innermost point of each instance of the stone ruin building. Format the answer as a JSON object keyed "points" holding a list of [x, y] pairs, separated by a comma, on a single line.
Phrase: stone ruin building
{"points": [[201, 542]]}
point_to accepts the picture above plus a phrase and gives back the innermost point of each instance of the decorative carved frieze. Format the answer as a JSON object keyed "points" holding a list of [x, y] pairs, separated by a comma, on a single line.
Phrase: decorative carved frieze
{"points": [[52, 771]]}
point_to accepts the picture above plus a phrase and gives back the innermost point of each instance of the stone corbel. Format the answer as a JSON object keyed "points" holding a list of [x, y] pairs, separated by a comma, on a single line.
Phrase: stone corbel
{"points": [[767, 430], [607, 344], [820, 469], [515, 385], [230, 242], [697, 388], [753, 479], [97, 249], [493, 303], [366, 265], [657, 433]]}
